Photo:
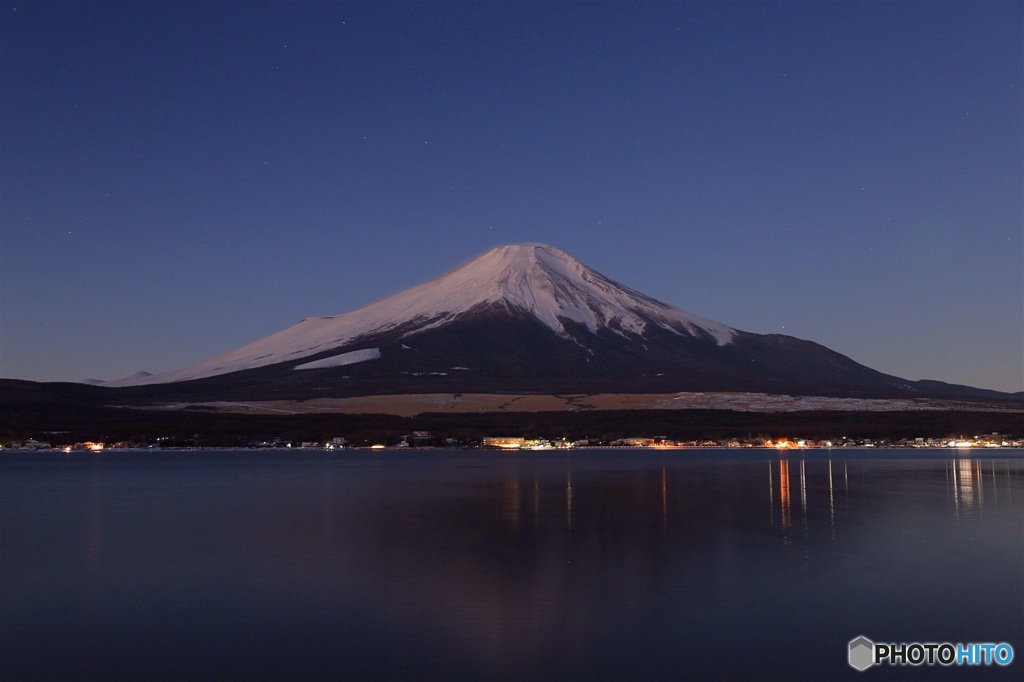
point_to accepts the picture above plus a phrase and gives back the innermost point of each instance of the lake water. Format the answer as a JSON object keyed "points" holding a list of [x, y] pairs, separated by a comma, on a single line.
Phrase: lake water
{"points": [[470, 565]]}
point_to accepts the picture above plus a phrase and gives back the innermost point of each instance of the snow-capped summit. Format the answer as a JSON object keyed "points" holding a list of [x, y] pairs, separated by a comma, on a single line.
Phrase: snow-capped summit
{"points": [[532, 279], [553, 286]]}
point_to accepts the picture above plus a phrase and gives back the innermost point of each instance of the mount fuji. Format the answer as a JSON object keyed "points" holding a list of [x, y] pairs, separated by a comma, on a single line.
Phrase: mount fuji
{"points": [[524, 318]]}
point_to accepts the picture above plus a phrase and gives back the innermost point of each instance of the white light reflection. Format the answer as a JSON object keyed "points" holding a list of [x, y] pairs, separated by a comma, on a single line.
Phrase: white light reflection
{"points": [[965, 488], [803, 496], [831, 504], [664, 499], [568, 498]]}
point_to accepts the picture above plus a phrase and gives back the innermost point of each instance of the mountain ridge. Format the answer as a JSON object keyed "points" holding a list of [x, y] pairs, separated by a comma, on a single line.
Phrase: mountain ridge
{"points": [[525, 318], [532, 278]]}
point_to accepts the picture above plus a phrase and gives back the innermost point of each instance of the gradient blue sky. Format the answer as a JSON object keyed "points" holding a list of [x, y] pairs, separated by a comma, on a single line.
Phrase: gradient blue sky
{"points": [[181, 178]]}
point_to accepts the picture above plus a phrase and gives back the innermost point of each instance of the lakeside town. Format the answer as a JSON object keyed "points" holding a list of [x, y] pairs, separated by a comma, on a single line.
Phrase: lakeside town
{"points": [[426, 439]]}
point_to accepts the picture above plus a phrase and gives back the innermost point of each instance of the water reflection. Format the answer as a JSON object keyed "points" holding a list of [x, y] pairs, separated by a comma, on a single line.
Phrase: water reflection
{"points": [[973, 484], [604, 566], [831, 503], [963, 488], [785, 518], [664, 499], [568, 498]]}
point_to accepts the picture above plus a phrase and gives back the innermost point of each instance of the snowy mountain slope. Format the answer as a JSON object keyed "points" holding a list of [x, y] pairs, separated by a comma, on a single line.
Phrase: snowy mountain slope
{"points": [[133, 379], [539, 281]]}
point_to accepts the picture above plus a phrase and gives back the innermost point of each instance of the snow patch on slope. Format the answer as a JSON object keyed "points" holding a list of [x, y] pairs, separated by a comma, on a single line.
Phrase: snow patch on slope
{"points": [[350, 358]]}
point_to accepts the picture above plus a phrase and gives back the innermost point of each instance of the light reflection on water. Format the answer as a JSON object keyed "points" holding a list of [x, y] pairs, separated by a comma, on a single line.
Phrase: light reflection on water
{"points": [[587, 565]]}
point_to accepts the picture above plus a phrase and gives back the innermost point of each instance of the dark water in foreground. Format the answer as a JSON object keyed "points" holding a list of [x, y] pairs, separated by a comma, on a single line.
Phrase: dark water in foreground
{"points": [[591, 565]]}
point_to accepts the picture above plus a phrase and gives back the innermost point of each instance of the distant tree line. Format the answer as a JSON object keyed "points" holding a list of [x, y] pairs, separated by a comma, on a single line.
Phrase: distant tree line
{"points": [[68, 423]]}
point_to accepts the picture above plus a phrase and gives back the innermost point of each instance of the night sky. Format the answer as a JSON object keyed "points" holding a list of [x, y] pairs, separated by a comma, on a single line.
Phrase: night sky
{"points": [[181, 178]]}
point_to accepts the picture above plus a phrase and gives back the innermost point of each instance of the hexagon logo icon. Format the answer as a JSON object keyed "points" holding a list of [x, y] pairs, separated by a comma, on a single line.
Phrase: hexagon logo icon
{"points": [[862, 653]]}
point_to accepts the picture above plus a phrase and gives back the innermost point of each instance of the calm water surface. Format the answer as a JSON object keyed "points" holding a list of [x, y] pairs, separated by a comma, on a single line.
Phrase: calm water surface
{"points": [[587, 565]]}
